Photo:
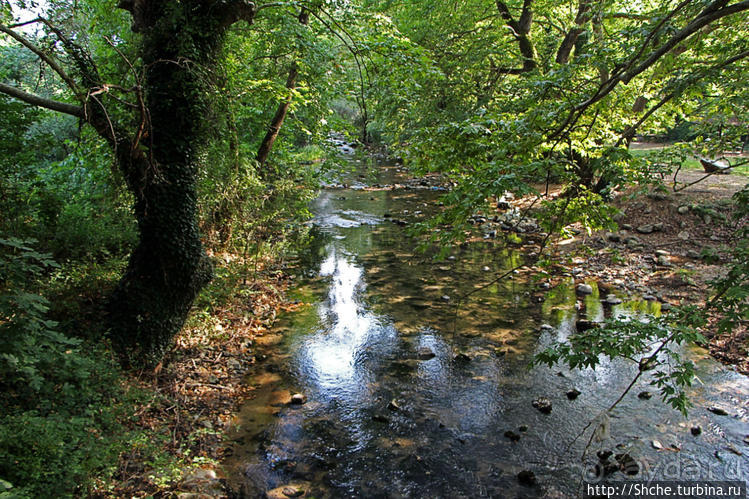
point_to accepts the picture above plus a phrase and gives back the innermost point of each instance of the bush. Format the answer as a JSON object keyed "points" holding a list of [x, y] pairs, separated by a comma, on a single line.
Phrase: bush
{"points": [[59, 399]]}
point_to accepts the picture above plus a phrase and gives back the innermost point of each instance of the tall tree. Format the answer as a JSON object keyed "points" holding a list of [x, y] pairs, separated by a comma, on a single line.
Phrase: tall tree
{"points": [[157, 146]]}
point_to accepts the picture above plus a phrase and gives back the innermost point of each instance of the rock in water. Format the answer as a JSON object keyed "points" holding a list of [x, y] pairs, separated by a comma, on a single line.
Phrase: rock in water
{"points": [[645, 395], [543, 405], [527, 478], [584, 289], [573, 394], [717, 411], [696, 430], [512, 435], [425, 353], [298, 398]]}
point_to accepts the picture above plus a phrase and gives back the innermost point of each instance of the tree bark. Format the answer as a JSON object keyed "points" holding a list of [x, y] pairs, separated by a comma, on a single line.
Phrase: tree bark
{"points": [[521, 29], [275, 125], [167, 269], [582, 17]]}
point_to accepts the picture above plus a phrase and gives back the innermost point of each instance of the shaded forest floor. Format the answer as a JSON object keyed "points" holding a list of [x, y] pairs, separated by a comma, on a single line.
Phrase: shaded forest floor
{"points": [[669, 246]]}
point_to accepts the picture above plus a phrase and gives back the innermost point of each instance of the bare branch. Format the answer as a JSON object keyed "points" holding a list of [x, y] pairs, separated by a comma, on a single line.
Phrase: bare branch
{"points": [[39, 101], [44, 57]]}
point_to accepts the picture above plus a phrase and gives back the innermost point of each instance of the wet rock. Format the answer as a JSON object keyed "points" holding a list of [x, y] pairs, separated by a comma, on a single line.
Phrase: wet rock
{"points": [[627, 464], [298, 399], [613, 300], [523, 428], [547, 327], [717, 411], [462, 357], [604, 455], [584, 289], [445, 298], [527, 478], [646, 229], [393, 405], [543, 405], [511, 435], [656, 445], [425, 353], [285, 491], [644, 395], [573, 393], [695, 430], [585, 325]]}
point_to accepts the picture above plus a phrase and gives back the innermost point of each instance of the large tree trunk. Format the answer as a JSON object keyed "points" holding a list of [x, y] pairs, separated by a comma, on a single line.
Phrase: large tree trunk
{"points": [[169, 266]]}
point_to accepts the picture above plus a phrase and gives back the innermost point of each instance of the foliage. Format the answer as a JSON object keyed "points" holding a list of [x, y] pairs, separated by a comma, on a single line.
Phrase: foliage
{"points": [[650, 344], [60, 399]]}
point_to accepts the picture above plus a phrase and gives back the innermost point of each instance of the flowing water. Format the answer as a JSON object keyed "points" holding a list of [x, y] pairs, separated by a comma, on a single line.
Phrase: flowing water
{"points": [[410, 391]]}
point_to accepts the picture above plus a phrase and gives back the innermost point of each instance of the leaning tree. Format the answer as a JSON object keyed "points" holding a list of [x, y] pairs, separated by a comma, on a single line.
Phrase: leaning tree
{"points": [[157, 128]]}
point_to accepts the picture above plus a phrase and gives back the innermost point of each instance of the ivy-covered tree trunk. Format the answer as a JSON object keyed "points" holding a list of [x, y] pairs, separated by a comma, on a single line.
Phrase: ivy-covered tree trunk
{"points": [[180, 48]]}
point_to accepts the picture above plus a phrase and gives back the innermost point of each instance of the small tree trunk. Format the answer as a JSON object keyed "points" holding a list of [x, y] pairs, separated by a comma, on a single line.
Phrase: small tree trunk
{"points": [[275, 125]]}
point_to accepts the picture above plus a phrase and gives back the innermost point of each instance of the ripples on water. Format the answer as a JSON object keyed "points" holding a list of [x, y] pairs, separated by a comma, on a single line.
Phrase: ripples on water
{"points": [[407, 399]]}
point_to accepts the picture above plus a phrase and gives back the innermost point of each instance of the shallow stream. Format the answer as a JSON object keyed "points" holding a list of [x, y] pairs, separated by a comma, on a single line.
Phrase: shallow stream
{"points": [[409, 390]]}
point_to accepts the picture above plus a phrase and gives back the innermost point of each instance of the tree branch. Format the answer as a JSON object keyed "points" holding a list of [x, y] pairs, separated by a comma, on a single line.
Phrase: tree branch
{"points": [[44, 57], [39, 101]]}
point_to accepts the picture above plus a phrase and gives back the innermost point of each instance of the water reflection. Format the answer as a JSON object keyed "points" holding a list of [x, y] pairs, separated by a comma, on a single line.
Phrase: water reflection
{"points": [[408, 399]]}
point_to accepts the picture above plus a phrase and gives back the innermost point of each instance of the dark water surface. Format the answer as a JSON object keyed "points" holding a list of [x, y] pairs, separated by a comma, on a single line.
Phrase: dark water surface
{"points": [[404, 398]]}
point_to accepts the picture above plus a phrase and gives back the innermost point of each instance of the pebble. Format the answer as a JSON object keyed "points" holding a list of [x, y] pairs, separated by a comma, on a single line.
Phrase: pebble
{"points": [[425, 353], [656, 445], [584, 289], [298, 399], [512, 436], [663, 261], [613, 300], [527, 478], [543, 405], [661, 252]]}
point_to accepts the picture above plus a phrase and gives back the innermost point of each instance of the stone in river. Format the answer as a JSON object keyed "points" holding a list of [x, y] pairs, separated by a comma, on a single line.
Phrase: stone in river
{"points": [[527, 478], [298, 399], [425, 353], [573, 394], [584, 289], [511, 435], [543, 405]]}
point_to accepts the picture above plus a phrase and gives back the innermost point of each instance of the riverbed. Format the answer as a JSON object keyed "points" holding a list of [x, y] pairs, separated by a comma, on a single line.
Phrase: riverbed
{"points": [[413, 375]]}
